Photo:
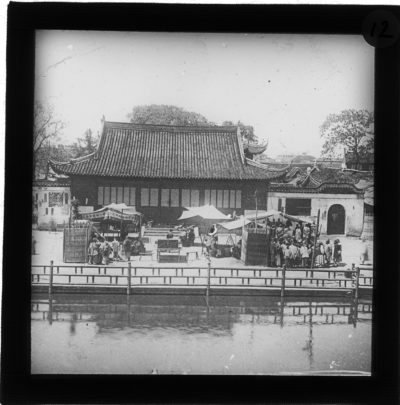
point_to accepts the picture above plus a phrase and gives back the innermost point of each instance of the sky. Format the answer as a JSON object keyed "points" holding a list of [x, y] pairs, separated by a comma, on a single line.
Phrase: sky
{"points": [[283, 85]]}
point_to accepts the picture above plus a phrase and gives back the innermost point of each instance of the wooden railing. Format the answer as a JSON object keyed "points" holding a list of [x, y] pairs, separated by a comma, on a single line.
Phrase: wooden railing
{"points": [[195, 276]]}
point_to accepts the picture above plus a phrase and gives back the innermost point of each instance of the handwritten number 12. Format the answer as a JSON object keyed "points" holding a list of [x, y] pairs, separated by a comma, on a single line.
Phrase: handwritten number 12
{"points": [[382, 34]]}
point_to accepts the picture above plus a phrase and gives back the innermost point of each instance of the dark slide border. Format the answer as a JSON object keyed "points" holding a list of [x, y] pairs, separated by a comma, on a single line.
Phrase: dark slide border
{"points": [[18, 386]]}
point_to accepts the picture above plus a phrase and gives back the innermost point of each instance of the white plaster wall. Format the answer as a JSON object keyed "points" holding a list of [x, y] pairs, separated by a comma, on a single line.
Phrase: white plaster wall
{"points": [[60, 214], [352, 203]]}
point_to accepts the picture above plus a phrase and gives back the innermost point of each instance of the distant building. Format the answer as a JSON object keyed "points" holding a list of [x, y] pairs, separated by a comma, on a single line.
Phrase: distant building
{"points": [[160, 169], [51, 202], [303, 158], [262, 158], [334, 192]]}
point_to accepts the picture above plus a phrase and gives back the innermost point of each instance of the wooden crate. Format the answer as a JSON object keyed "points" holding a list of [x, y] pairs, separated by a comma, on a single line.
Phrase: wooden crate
{"points": [[76, 242]]}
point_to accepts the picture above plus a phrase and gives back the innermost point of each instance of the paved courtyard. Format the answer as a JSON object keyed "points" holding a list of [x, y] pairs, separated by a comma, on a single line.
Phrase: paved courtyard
{"points": [[49, 246]]}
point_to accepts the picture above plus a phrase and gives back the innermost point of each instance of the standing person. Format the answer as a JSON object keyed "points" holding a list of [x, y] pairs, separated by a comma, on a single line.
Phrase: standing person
{"points": [[208, 240], [91, 249], [337, 252], [268, 229], [293, 253], [272, 253], [363, 251], [311, 255], [328, 253], [286, 255], [115, 247], [97, 252], [273, 230], [320, 252], [191, 236], [279, 230], [313, 233], [297, 233], [278, 253], [304, 254], [106, 252], [127, 248], [306, 232]]}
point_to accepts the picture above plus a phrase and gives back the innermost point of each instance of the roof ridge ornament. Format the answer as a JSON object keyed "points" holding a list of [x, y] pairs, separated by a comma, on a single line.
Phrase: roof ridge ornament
{"points": [[240, 143]]}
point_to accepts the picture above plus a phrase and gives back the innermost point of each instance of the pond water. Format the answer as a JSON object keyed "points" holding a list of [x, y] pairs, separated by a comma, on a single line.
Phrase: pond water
{"points": [[167, 334]]}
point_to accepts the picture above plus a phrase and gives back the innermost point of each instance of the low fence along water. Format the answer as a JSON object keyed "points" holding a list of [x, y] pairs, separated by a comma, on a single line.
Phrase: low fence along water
{"points": [[130, 277]]}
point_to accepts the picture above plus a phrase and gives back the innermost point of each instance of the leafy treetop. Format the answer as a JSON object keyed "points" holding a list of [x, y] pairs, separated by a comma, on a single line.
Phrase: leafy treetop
{"points": [[350, 129], [166, 115]]}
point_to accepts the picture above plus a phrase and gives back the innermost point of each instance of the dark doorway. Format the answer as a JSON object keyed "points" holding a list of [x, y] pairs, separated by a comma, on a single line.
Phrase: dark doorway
{"points": [[298, 206], [336, 220]]}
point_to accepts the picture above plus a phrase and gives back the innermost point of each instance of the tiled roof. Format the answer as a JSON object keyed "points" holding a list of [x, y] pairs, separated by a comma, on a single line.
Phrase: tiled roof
{"points": [[57, 182], [174, 152], [330, 175], [318, 180]]}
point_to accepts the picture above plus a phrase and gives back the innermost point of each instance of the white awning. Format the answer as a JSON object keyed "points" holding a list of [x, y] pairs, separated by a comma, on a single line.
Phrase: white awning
{"points": [[205, 212]]}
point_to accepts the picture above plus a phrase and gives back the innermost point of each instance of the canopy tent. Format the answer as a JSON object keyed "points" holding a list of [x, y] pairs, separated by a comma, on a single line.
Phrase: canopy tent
{"points": [[205, 211], [264, 214], [299, 218], [203, 216], [113, 212], [236, 224]]}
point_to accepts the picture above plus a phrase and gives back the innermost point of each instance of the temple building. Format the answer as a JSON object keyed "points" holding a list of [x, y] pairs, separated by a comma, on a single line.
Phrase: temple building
{"points": [[161, 169], [332, 190]]}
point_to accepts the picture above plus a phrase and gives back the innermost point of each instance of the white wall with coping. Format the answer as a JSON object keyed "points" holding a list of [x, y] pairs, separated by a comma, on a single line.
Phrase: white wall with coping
{"points": [[352, 203], [46, 213]]}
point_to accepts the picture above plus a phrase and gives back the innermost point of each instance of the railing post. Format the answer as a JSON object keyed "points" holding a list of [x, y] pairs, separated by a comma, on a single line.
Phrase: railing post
{"points": [[208, 279], [357, 283], [283, 281], [51, 278], [128, 291]]}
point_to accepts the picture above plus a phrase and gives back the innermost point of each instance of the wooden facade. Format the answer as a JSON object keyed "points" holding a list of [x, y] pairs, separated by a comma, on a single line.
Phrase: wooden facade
{"points": [[162, 169], [227, 196]]}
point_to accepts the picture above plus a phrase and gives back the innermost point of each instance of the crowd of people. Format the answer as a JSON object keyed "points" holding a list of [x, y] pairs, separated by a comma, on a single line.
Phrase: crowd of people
{"points": [[101, 251], [291, 244], [295, 245]]}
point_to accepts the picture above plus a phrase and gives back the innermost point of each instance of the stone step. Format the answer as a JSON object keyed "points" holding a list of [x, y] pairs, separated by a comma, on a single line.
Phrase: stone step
{"points": [[159, 231]]}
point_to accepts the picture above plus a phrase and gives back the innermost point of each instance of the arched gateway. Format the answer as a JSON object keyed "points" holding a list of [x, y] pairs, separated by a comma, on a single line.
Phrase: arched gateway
{"points": [[336, 220]]}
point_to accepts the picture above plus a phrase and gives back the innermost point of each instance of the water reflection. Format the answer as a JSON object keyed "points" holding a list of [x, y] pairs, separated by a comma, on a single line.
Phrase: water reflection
{"points": [[197, 334]]}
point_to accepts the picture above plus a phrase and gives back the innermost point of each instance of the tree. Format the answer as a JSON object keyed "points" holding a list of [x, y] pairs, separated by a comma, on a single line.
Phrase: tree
{"points": [[46, 129], [350, 129], [59, 153], [246, 131], [85, 145], [166, 115]]}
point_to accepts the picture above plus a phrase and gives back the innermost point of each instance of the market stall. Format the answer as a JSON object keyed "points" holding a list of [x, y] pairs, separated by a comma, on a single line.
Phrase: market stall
{"points": [[116, 220], [204, 217]]}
